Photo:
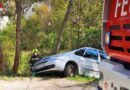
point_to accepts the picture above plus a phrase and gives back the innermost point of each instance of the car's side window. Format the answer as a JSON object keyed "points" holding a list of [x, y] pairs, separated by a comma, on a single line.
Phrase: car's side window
{"points": [[91, 53], [102, 55], [80, 52]]}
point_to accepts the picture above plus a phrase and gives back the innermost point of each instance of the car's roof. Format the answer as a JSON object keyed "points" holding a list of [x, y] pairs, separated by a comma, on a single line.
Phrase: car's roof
{"points": [[91, 48]]}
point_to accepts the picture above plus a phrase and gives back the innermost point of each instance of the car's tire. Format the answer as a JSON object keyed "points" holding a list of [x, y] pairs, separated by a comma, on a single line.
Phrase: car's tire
{"points": [[70, 70]]}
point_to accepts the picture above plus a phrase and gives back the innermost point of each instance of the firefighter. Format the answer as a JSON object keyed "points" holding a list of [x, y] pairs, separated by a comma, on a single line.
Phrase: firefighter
{"points": [[35, 57]]}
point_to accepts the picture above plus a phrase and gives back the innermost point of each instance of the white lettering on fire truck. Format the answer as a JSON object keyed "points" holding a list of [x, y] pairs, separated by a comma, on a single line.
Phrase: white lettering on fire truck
{"points": [[117, 5], [123, 12]]}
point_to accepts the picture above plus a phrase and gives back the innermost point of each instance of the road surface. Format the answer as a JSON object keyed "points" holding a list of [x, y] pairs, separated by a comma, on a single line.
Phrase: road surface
{"points": [[45, 84]]}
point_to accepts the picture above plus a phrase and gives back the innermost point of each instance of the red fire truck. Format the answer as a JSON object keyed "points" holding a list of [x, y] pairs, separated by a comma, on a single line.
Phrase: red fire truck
{"points": [[115, 74], [1, 9]]}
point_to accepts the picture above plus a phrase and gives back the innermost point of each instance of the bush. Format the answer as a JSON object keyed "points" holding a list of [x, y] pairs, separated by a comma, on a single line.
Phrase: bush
{"points": [[93, 37], [8, 38], [24, 67], [31, 34]]}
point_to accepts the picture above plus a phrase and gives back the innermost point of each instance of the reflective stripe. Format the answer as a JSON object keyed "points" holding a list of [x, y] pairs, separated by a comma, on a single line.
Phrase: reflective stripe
{"points": [[35, 59]]}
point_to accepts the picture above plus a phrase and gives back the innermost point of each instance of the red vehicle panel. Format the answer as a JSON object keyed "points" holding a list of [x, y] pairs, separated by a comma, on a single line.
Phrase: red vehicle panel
{"points": [[118, 24], [0, 5]]}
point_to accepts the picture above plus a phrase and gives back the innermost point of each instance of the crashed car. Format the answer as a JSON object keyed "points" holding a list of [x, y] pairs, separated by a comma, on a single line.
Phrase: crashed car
{"points": [[83, 61]]}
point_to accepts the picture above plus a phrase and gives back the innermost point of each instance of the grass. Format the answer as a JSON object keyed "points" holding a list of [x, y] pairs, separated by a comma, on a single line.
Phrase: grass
{"points": [[83, 79], [77, 78], [11, 78]]}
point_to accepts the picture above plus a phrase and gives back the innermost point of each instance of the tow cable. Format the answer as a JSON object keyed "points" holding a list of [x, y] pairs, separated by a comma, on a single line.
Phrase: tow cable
{"points": [[31, 77]]}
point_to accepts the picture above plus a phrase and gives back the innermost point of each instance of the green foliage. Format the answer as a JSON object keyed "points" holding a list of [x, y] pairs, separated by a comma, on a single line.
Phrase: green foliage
{"points": [[83, 29], [9, 8], [93, 37], [31, 33], [24, 67], [11, 78], [8, 37], [80, 28]]}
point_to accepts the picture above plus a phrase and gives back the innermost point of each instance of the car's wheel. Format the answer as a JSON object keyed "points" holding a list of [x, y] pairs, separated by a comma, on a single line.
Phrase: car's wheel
{"points": [[70, 70]]}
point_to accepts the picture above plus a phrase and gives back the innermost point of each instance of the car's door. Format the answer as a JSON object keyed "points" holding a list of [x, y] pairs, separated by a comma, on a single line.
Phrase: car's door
{"points": [[92, 59], [79, 57]]}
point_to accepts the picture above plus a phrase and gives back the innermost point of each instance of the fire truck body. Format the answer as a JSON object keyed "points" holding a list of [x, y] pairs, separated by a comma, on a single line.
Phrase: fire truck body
{"points": [[116, 29], [115, 74]]}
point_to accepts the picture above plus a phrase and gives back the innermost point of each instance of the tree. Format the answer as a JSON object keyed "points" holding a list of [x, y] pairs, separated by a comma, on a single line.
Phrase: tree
{"points": [[18, 28], [1, 59], [63, 26]]}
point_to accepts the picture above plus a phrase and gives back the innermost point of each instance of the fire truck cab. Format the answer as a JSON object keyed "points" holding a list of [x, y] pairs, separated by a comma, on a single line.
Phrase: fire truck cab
{"points": [[115, 74]]}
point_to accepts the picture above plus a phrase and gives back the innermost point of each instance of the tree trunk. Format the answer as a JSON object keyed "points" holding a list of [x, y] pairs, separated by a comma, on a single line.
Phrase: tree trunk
{"points": [[18, 27], [2, 68], [69, 41], [63, 26]]}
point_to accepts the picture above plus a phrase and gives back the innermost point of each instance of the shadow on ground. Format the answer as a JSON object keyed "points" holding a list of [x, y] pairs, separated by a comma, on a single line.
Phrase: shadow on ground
{"points": [[52, 75], [83, 85]]}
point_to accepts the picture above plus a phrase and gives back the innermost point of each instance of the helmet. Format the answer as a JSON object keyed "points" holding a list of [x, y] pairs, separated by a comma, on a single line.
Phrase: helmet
{"points": [[35, 50]]}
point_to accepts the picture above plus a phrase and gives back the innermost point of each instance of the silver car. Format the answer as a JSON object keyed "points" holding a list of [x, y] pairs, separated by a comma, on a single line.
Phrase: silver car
{"points": [[83, 61]]}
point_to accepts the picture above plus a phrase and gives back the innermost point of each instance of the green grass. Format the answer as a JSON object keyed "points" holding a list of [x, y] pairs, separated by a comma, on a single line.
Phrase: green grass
{"points": [[82, 79], [85, 79], [11, 78]]}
